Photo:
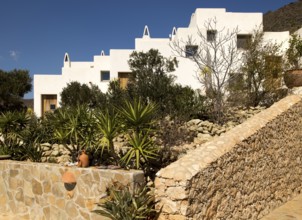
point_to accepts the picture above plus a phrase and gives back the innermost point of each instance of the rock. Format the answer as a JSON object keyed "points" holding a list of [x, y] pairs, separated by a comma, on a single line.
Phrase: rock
{"points": [[193, 128], [47, 153], [206, 123], [296, 90], [206, 132], [55, 147], [61, 147], [230, 124], [64, 159], [55, 153], [193, 122], [202, 138], [36, 187], [214, 131], [65, 152], [220, 131]]}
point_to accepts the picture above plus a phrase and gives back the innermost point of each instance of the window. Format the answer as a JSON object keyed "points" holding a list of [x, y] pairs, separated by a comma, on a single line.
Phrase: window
{"points": [[211, 35], [242, 41], [191, 50], [52, 107], [105, 76]]}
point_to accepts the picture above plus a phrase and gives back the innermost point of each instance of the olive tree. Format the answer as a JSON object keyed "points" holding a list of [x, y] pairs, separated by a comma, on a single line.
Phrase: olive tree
{"points": [[13, 85], [294, 52], [75, 94], [261, 70], [153, 81]]}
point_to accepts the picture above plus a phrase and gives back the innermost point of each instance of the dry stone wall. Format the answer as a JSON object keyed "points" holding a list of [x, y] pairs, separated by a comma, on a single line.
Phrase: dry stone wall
{"points": [[44, 191], [243, 174]]}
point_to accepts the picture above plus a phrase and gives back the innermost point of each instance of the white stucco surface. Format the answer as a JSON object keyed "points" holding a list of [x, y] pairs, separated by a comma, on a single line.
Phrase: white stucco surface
{"points": [[117, 60]]}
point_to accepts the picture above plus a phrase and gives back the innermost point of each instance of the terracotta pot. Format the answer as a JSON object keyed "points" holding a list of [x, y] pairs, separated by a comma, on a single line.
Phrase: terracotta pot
{"points": [[293, 78], [69, 181], [83, 160], [68, 177]]}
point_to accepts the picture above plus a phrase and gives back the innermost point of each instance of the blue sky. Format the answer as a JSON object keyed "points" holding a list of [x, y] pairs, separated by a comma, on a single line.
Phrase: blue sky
{"points": [[35, 34]]}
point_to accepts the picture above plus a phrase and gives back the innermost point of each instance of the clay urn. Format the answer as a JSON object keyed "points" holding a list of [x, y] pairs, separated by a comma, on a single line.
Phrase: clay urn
{"points": [[293, 78], [69, 180], [83, 160]]}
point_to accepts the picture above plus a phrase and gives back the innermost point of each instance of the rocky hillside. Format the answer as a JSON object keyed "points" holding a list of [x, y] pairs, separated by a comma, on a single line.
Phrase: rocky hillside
{"points": [[289, 17]]}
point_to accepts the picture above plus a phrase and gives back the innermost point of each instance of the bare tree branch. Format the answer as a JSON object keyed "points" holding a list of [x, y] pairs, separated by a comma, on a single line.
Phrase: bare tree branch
{"points": [[216, 58]]}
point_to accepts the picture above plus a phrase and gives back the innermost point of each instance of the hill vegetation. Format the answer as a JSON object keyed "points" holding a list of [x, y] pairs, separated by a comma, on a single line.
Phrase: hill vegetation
{"points": [[289, 17]]}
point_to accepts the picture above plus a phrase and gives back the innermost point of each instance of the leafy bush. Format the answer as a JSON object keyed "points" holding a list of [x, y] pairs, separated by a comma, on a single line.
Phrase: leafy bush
{"points": [[261, 74], [13, 85], [152, 81], [294, 52], [21, 135], [115, 94], [75, 127], [126, 204], [75, 94]]}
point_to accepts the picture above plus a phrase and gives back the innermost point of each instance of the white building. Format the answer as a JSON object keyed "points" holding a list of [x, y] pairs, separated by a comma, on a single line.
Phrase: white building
{"points": [[104, 68]]}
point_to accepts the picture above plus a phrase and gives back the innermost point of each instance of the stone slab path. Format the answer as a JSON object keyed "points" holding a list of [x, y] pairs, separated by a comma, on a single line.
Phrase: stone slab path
{"points": [[292, 210], [7, 217]]}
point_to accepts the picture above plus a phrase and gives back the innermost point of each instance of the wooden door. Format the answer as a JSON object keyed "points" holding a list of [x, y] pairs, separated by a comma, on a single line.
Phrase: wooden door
{"points": [[124, 79], [49, 103]]}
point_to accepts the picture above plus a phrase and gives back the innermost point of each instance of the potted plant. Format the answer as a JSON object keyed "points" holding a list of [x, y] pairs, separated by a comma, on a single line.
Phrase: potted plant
{"points": [[293, 76]]}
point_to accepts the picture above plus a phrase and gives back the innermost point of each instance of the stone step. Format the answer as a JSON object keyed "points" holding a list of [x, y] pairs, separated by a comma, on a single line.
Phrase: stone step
{"points": [[292, 210]]}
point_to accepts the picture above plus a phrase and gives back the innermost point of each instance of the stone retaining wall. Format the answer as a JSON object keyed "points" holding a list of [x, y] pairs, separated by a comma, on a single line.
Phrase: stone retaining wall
{"points": [[243, 174], [37, 190]]}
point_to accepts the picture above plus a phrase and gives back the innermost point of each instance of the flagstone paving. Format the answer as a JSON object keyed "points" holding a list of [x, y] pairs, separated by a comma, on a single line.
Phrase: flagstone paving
{"points": [[292, 210], [10, 217]]}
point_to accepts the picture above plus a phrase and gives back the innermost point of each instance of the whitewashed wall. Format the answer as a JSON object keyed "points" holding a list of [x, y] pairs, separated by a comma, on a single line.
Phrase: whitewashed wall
{"points": [[116, 61]]}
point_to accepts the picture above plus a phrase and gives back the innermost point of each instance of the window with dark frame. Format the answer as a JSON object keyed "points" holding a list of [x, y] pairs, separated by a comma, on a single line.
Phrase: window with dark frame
{"points": [[211, 35], [52, 107], [191, 50], [242, 41], [105, 75]]}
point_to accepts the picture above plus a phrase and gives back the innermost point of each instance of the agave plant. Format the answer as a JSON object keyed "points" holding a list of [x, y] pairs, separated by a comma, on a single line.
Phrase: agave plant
{"points": [[32, 137], [109, 127], [22, 134], [11, 126], [75, 128], [138, 116], [141, 150], [124, 203]]}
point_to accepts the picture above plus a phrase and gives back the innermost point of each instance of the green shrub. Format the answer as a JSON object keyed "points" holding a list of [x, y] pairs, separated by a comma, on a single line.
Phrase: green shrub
{"points": [[21, 134], [109, 127], [294, 52], [75, 94], [123, 203], [137, 116], [75, 127], [142, 149]]}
